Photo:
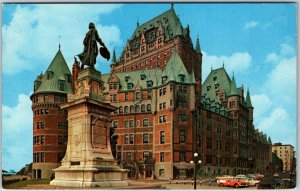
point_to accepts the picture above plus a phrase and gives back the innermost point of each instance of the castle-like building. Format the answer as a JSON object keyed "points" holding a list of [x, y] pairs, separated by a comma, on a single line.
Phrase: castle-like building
{"points": [[165, 114]]}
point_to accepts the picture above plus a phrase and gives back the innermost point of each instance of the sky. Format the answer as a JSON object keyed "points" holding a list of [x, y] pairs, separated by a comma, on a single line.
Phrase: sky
{"points": [[256, 42]]}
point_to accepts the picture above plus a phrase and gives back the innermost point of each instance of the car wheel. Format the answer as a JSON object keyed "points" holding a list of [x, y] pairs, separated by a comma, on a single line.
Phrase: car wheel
{"points": [[236, 185]]}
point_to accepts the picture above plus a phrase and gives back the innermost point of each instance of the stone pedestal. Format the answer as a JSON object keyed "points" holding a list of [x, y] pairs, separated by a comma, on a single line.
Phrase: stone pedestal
{"points": [[89, 161]]}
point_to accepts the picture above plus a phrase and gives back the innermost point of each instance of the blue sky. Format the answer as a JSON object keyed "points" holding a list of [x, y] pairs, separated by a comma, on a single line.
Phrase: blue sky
{"points": [[256, 41]]}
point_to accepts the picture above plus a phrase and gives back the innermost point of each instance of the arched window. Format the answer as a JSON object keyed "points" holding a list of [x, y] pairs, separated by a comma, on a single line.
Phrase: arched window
{"points": [[131, 109], [137, 108], [121, 109], [148, 107], [143, 108], [126, 109]]}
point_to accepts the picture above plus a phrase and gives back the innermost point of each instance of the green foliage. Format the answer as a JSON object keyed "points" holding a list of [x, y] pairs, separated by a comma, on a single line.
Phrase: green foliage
{"points": [[25, 183]]}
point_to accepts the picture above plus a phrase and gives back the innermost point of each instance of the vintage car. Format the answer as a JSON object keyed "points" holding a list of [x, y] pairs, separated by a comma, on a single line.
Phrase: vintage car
{"points": [[252, 181], [236, 182]]}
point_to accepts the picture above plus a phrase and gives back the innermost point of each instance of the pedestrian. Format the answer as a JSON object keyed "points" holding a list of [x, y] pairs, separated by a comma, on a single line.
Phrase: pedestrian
{"points": [[208, 182], [200, 181]]}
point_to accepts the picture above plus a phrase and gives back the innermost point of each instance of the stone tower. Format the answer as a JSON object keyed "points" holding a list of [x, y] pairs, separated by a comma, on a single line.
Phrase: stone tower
{"points": [[49, 121]]}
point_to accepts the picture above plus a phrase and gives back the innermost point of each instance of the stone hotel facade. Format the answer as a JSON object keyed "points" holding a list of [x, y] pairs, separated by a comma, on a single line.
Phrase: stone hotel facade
{"points": [[165, 113]]}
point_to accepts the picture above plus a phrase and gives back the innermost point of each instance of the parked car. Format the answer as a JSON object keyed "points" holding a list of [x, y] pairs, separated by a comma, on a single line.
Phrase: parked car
{"points": [[240, 176], [268, 182], [252, 181], [236, 182], [287, 183]]}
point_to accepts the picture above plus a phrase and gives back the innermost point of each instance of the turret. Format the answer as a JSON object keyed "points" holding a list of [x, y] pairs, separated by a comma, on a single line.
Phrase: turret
{"points": [[113, 62]]}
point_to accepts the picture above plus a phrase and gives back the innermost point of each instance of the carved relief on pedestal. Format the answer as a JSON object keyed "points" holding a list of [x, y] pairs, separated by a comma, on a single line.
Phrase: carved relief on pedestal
{"points": [[99, 137]]}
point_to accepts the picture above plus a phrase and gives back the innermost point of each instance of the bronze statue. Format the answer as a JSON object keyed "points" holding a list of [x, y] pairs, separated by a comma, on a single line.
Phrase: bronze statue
{"points": [[90, 52]]}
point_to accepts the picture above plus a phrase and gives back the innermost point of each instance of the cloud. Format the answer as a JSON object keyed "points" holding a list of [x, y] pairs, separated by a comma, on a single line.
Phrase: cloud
{"points": [[251, 24], [286, 51], [17, 134], [238, 62], [280, 126], [30, 40], [258, 101]]}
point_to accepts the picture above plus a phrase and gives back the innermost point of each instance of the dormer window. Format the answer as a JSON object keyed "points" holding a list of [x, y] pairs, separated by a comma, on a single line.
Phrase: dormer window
{"points": [[215, 78], [216, 86], [127, 78], [49, 75], [149, 84], [164, 79], [61, 85], [68, 78], [207, 88], [181, 77], [143, 76], [130, 86]]}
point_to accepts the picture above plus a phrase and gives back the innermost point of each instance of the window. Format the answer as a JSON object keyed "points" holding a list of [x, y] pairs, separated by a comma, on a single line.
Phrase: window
{"points": [[182, 89], [182, 118], [162, 157], [126, 109], [46, 98], [115, 97], [121, 109], [161, 172], [143, 108], [208, 143], [126, 139], [208, 159], [235, 150], [49, 75], [182, 104], [131, 139], [182, 136], [146, 154], [138, 95], [61, 86], [162, 137], [115, 124], [60, 139], [127, 78], [145, 138], [143, 76], [162, 119], [126, 96], [56, 98], [182, 156], [131, 109], [128, 155], [41, 125], [131, 124], [149, 84], [149, 94], [130, 86], [219, 144], [137, 108], [181, 77], [148, 108], [126, 123], [146, 122], [60, 125], [164, 79], [162, 91]]}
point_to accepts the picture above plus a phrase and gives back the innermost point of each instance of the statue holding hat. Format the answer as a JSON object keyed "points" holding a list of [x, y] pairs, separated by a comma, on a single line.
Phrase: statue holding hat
{"points": [[90, 52]]}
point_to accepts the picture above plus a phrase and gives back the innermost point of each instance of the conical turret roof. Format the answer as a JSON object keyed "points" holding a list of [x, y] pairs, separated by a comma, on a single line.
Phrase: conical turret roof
{"points": [[57, 72], [248, 100], [114, 60], [197, 48], [233, 89]]}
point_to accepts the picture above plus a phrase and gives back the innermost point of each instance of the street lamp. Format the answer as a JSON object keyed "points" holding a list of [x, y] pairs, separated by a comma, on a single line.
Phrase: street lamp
{"points": [[195, 168]]}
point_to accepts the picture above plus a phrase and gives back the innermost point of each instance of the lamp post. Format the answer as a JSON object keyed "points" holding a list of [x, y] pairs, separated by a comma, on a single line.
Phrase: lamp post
{"points": [[195, 161]]}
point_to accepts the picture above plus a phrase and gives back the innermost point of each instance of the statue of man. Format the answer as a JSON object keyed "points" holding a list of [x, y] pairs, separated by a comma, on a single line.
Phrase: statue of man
{"points": [[90, 52]]}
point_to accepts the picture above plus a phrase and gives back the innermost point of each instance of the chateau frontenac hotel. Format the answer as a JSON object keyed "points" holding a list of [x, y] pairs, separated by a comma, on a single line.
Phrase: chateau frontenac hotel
{"points": [[165, 113]]}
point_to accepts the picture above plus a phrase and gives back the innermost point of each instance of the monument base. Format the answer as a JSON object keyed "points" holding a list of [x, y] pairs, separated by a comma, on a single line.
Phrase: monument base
{"points": [[77, 176]]}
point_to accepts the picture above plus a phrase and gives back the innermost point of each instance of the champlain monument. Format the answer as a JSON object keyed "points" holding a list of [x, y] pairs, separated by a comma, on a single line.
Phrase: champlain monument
{"points": [[88, 161]]}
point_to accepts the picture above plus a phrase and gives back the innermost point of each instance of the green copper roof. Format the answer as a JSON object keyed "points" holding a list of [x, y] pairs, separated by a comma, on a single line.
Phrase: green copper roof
{"points": [[233, 89], [168, 20], [248, 100], [269, 141], [57, 73], [173, 72], [216, 80], [197, 48], [114, 60]]}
